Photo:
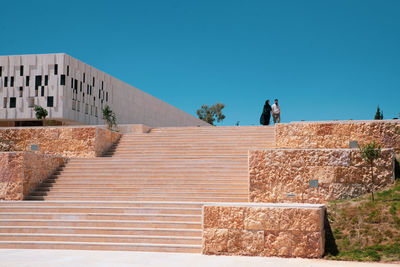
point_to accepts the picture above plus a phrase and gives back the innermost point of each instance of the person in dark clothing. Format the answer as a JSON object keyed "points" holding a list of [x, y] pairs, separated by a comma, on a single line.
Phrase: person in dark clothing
{"points": [[266, 114]]}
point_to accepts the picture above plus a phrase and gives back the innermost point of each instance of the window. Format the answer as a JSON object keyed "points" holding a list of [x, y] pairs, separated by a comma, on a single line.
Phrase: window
{"points": [[21, 71], [1, 71], [67, 70], [87, 89], [86, 108], [38, 81], [21, 91], [27, 81], [83, 77], [72, 82], [42, 91], [62, 79], [13, 102], [46, 80], [93, 81], [36, 92], [102, 85], [80, 90], [5, 102], [106, 96], [55, 69], [99, 93], [11, 81], [31, 102], [90, 91], [50, 100], [76, 84], [78, 106], [5, 81]]}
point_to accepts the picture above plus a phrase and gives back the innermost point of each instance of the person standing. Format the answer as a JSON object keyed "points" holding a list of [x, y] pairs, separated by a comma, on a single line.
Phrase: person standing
{"points": [[276, 112], [266, 114]]}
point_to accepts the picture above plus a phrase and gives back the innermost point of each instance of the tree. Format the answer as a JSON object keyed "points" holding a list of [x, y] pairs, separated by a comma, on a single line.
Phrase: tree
{"points": [[369, 153], [210, 114], [378, 114], [40, 113], [109, 117]]}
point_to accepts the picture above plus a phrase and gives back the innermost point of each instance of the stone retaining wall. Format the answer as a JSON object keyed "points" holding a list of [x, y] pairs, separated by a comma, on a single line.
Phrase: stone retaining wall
{"points": [[337, 134], [74, 141], [291, 230], [22, 172], [288, 175]]}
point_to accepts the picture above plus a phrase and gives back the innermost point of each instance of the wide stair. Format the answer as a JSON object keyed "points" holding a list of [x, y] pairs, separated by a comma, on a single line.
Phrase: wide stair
{"points": [[145, 194]]}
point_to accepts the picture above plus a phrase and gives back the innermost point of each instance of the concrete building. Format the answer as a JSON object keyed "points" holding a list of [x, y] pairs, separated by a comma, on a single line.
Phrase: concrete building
{"points": [[75, 93]]}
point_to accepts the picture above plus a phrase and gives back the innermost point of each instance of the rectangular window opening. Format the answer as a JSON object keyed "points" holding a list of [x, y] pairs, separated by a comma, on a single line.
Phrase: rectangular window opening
{"points": [[13, 102], [106, 96], [83, 77], [50, 101], [55, 69], [76, 84], [5, 102], [42, 91], [1, 71], [80, 89], [27, 81], [93, 81], [46, 80], [21, 71], [12, 81], [21, 91], [62, 79], [5, 81], [38, 81], [67, 70]]}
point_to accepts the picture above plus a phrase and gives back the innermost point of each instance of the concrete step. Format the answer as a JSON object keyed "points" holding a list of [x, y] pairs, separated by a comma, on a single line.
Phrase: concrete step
{"points": [[100, 210], [150, 185], [103, 204], [101, 238], [165, 189], [101, 223], [101, 231], [100, 246], [141, 198]]}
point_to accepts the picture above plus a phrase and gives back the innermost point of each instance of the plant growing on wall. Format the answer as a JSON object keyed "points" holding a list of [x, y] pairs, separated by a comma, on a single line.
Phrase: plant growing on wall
{"points": [[109, 117], [40, 113], [370, 152], [210, 114]]}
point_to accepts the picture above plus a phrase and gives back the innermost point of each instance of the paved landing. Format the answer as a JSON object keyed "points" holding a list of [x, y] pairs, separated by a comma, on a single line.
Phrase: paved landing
{"points": [[76, 258]]}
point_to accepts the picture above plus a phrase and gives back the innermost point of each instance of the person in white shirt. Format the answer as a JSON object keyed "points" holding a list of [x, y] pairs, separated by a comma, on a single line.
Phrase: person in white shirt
{"points": [[276, 112]]}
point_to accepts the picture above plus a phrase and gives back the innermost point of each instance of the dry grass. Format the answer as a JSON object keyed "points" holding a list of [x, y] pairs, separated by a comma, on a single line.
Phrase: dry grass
{"points": [[363, 230]]}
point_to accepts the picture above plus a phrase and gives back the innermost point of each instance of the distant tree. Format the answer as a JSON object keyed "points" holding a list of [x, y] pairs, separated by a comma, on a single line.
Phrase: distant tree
{"points": [[378, 114], [210, 114], [40, 113], [369, 153], [109, 117]]}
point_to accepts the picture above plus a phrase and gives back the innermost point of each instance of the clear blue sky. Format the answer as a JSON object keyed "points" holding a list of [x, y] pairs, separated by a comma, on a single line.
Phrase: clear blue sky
{"points": [[324, 60]]}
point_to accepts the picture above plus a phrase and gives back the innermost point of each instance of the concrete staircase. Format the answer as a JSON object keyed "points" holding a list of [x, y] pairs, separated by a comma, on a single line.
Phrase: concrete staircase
{"points": [[145, 194]]}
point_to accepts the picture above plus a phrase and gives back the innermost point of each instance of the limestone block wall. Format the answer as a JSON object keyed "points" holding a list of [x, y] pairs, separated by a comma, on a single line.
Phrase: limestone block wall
{"points": [[22, 172], [338, 134], [314, 175], [284, 230], [72, 141]]}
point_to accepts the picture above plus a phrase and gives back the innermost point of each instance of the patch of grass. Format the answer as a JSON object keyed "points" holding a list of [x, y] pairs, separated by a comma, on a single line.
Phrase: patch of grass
{"points": [[363, 230]]}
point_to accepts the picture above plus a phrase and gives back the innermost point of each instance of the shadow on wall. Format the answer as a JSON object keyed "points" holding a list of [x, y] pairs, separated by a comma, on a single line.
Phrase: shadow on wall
{"points": [[397, 169], [330, 243]]}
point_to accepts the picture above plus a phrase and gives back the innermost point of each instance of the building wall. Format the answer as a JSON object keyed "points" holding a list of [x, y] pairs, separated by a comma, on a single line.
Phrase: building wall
{"points": [[272, 230], [79, 94], [314, 175]]}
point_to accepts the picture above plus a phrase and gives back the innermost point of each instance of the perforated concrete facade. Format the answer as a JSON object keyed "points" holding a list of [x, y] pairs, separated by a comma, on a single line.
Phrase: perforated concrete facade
{"points": [[75, 93]]}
